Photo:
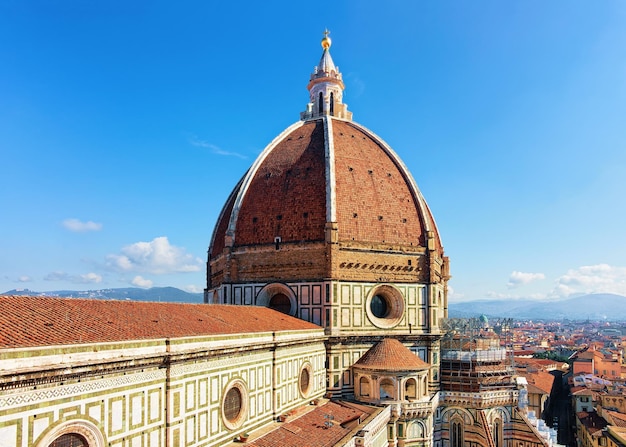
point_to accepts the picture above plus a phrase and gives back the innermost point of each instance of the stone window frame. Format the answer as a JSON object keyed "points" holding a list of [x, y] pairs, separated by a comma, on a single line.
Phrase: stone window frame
{"points": [[242, 416], [265, 295], [308, 368], [88, 430], [394, 301]]}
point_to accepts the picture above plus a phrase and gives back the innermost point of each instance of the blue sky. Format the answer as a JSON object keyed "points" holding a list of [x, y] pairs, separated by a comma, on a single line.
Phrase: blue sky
{"points": [[124, 126]]}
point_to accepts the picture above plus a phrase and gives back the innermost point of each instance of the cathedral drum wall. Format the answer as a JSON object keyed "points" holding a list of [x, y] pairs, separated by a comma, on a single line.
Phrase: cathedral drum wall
{"points": [[366, 263], [285, 261], [367, 308]]}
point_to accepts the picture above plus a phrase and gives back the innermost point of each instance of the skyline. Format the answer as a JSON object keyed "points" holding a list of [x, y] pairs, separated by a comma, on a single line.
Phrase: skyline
{"points": [[125, 127]]}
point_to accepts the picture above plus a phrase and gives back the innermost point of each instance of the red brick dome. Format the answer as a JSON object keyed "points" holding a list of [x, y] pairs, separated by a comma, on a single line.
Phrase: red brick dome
{"points": [[320, 171], [326, 199]]}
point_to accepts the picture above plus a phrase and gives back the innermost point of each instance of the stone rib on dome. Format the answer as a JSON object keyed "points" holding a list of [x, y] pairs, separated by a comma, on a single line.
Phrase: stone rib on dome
{"points": [[390, 355], [326, 170]]}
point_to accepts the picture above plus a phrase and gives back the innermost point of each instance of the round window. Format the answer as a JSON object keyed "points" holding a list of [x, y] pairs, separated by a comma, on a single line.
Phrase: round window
{"points": [[379, 306], [70, 440], [305, 379], [281, 303], [385, 307], [235, 405]]}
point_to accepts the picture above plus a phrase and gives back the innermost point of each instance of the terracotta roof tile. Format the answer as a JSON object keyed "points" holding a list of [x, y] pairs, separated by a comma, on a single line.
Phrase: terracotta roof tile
{"points": [[391, 355], [43, 321], [322, 427]]}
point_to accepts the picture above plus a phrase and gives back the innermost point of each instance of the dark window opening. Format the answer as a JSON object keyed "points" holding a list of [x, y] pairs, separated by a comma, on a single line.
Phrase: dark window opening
{"points": [[332, 104], [281, 303], [456, 435], [304, 381], [321, 103], [232, 404], [379, 306]]}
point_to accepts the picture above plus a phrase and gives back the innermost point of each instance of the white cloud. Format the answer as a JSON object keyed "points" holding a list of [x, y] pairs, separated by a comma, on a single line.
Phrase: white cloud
{"points": [[193, 289], [195, 141], [87, 278], [157, 257], [139, 281], [24, 278], [518, 279], [81, 227], [600, 278], [90, 278]]}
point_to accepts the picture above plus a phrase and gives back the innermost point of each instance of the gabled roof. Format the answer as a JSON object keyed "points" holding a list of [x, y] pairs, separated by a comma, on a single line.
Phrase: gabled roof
{"points": [[543, 381], [44, 321], [391, 355]]}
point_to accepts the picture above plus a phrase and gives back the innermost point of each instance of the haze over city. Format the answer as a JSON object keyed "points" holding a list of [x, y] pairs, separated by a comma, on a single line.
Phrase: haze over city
{"points": [[124, 127]]}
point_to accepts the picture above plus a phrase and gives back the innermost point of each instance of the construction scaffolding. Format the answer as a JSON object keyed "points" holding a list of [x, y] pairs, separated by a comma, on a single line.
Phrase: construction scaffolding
{"points": [[474, 358]]}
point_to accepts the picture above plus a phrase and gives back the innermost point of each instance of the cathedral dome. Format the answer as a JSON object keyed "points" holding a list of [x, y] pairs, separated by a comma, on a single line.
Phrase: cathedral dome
{"points": [[325, 180]]}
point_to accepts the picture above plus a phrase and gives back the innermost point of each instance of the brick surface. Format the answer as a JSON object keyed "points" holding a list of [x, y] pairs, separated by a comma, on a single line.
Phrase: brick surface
{"points": [[374, 202], [287, 196]]}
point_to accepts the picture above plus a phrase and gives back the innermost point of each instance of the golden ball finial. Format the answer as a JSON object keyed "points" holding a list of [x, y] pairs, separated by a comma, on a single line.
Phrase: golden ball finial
{"points": [[326, 42]]}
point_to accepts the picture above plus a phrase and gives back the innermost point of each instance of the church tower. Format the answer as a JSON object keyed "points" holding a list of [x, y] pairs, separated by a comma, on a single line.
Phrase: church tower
{"points": [[328, 225]]}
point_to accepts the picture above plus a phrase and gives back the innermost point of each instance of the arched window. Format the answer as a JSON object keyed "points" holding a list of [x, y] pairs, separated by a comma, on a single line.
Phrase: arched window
{"points": [[497, 433], [332, 104], [70, 440], [281, 303], [456, 434], [410, 389], [364, 386], [387, 390], [320, 104]]}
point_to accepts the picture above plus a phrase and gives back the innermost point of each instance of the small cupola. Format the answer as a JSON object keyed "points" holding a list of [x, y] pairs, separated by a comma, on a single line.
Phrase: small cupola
{"points": [[326, 88], [390, 372]]}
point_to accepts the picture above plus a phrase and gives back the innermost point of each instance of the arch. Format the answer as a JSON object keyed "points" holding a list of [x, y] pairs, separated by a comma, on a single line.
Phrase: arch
{"points": [[451, 412], [410, 389], [498, 412], [278, 296], [387, 389], [456, 432], [364, 387], [416, 430], [498, 433], [81, 428]]}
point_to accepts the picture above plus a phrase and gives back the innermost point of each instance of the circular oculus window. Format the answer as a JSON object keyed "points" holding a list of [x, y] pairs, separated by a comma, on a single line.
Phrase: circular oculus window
{"points": [[235, 405], [306, 379], [385, 307]]}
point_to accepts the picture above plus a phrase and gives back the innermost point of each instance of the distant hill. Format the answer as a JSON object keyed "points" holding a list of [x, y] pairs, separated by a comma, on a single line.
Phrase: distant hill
{"points": [[597, 306], [166, 294]]}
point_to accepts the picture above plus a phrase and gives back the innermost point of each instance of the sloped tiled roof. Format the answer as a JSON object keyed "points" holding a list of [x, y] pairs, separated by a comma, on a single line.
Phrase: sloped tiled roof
{"points": [[391, 355], [322, 427], [43, 321], [616, 418], [542, 380]]}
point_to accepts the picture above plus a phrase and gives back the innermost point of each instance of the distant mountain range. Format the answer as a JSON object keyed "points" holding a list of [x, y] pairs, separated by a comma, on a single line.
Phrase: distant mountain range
{"points": [[169, 294], [597, 306], [601, 306]]}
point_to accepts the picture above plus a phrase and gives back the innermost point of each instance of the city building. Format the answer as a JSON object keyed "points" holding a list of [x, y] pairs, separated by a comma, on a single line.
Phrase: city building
{"points": [[323, 325]]}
